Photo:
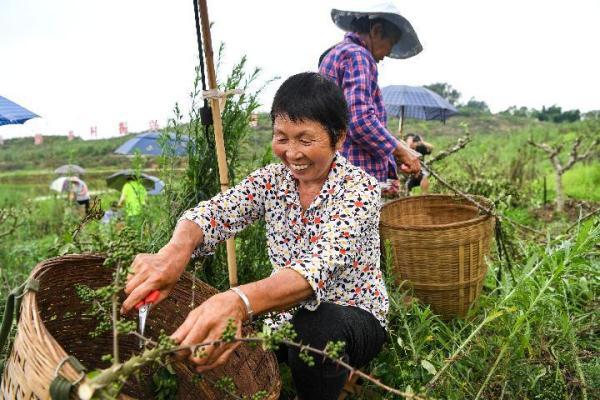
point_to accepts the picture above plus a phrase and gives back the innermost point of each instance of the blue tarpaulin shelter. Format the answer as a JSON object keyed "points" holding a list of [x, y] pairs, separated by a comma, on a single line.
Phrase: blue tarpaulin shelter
{"points": [[12, 113], [148, 143]]}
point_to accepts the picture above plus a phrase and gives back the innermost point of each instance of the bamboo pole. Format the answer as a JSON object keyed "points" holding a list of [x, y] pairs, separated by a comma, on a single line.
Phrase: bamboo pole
{"points": [[401, 123], [218, 127]]}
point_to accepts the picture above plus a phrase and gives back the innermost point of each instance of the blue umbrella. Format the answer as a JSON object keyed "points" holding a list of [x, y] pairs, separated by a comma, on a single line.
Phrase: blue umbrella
{"points": [[12, 113], [416, 102], [148, 143], [158, 186]]}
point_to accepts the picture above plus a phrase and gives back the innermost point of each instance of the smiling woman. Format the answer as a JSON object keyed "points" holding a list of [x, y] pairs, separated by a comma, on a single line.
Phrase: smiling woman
{"points": [[322, 216], [306, 135]]}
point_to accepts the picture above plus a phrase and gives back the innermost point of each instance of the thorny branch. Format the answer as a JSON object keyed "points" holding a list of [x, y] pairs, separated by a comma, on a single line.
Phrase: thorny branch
{"points": [[115, 318], [119, 371], [301, 347], [95, 213], [460, 144]]}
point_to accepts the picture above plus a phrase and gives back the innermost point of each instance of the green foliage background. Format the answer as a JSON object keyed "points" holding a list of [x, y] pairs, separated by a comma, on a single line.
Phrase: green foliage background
{"points": [[534, 336]]}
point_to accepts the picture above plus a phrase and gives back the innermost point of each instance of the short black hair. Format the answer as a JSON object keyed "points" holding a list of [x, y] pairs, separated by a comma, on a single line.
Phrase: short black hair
{"points": [[364, 25], [416, 138], [309, 96]]}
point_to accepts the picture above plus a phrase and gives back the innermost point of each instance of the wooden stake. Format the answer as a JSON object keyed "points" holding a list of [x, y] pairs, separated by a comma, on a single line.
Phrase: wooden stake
{"points": [[218, 127]]}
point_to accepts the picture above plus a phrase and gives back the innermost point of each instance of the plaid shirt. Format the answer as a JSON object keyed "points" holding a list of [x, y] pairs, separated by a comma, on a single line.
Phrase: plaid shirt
{"points": [[369, 145]]}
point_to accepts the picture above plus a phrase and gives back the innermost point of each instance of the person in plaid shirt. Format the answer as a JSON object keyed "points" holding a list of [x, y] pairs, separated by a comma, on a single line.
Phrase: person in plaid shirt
{"points": [[352, 65]]}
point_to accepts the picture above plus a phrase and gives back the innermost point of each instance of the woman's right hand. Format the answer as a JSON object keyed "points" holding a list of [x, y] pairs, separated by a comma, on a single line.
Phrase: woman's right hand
{"points": [[150, 272]]}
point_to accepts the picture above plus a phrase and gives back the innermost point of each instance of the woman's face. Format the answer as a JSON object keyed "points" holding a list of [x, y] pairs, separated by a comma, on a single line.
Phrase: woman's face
{"points": [[305, 148], [381, 47]]}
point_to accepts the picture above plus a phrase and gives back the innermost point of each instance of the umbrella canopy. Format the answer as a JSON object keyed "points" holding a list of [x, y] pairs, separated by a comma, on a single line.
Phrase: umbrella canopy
{"points": [[12, 113], [118, 179], [69, 169], [66, 184], [416, 102], [148, 143], [158, 186]]}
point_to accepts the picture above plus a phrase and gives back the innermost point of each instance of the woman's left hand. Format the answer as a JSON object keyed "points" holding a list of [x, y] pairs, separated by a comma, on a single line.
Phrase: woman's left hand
{"points": [[206, 323]]}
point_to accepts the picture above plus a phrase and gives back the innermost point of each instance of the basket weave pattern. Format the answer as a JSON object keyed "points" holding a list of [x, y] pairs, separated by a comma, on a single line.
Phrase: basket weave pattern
{"points": [[439, 244], [53, 325]]}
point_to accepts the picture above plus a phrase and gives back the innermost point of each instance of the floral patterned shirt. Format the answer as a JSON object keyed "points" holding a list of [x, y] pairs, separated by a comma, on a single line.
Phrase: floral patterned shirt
{"points": [[333, 244]]}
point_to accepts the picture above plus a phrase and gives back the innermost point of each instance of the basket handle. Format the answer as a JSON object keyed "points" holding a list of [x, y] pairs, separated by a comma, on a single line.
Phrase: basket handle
{"points": [[13, 308], [60, 388]]}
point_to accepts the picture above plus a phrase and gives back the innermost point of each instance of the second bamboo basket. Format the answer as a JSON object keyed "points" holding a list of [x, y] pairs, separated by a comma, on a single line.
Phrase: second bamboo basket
{"points": [[439, 246]]}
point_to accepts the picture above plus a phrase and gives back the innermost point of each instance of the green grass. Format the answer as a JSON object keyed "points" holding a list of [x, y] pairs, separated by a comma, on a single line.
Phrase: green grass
{"points": [[22, 154], [583, 182], [531, 337], [526, 338]]}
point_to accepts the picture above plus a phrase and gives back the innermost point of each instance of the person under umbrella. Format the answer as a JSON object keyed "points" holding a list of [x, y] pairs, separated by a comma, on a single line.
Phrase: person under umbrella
{"points": [[133, 197], [374, 32], [75, 187], [78, 191]]}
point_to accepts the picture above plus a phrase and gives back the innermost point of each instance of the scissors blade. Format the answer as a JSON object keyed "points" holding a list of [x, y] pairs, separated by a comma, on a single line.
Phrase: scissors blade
{"points": [[143, 310], [143, 313]]}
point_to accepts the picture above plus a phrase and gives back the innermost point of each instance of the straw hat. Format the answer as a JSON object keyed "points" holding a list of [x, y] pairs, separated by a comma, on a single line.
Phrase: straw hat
{"points": [[408, 45]]}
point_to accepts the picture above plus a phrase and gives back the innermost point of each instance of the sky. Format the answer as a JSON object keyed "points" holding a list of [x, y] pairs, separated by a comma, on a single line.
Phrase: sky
{"points": [[82, 63]]}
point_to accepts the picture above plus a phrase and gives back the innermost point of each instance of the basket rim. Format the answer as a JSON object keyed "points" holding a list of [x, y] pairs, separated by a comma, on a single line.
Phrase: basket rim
{"points": [[46, 265], [459, 224]]}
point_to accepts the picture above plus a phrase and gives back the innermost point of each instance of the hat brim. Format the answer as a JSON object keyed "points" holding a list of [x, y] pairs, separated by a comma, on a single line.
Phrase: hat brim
{"points": [[409, 44]]}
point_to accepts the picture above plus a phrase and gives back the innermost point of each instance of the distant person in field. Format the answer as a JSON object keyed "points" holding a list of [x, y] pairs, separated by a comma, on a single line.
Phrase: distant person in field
{"points": [[79, 192], [111, 214], [374, 32], [420, 179], [133, 197]]}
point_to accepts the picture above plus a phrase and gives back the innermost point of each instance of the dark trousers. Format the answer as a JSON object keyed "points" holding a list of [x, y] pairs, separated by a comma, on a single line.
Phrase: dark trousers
{"points": [[359, 329], [86, 203]]}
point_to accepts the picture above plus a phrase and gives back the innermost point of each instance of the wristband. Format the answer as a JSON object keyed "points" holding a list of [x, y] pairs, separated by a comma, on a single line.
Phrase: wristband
{"points": [[239, 292]]}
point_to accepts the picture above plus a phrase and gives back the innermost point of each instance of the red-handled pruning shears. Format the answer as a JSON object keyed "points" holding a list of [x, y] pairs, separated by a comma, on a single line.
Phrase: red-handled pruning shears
{"points": [[143, 309]]}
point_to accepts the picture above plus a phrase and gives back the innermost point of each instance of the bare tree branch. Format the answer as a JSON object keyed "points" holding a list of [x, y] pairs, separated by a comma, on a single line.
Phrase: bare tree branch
{"points": [[559, 168], [551, 151], [573, 158], [579, 157], [11, 220]]}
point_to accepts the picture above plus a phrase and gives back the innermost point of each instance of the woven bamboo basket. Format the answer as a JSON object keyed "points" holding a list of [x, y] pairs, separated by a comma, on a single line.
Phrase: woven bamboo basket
{"points": [[52, 325], [439, 244]]}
